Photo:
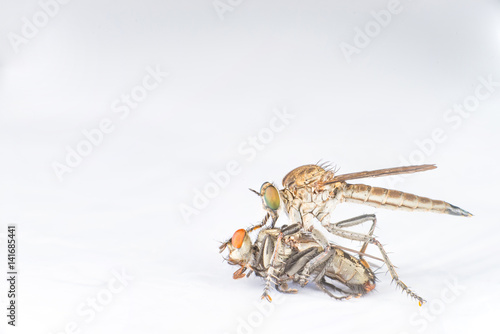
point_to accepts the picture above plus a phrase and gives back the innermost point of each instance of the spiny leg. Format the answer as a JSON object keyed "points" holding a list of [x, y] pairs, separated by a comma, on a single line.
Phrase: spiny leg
{"points": [[353, 222], [261, 224], [285, 230], [370, 239], [305, 219], [270, 271]]}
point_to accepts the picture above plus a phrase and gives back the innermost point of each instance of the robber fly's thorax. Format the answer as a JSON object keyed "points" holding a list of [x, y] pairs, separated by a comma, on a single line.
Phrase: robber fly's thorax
{"points": [[304, 203]]}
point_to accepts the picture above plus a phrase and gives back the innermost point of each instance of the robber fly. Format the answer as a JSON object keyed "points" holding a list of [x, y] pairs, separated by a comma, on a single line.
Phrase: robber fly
{"points": [[297, 257], [313, 191]]}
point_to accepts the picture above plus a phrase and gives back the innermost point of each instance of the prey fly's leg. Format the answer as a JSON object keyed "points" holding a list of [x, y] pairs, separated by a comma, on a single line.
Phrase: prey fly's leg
{"points": [[334, 288], [312, 265], [320, 281], [371, 240], [283, 287]]}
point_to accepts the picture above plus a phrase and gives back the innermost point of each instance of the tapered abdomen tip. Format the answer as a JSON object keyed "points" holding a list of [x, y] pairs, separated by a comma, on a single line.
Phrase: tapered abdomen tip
{"points": [[456, 211]]}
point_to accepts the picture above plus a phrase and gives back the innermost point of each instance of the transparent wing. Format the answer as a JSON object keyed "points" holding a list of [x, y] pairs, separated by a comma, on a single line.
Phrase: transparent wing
{"points": [[381, 172]]}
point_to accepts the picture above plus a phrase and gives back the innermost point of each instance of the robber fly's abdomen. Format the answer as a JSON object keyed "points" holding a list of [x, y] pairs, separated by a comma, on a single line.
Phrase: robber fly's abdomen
{"points": [[398, 200]]}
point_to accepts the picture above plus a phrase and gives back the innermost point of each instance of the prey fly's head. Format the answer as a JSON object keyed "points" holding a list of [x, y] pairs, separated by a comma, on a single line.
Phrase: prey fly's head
{"points": [[240, 252]]}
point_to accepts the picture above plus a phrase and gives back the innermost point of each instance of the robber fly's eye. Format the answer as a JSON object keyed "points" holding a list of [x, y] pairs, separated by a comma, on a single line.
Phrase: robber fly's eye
{"points": [[271, 196], [238, 237]]}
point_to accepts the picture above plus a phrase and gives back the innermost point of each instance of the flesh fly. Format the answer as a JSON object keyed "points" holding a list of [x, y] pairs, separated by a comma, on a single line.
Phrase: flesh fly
{"points": [[290, 254]]}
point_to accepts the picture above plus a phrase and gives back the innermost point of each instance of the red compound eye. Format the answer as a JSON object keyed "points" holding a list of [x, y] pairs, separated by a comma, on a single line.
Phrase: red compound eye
{"points": [[237, 239]]}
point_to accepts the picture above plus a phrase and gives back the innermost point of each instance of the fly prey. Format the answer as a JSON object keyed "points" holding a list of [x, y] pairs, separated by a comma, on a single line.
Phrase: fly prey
{"points": [[297, 257]]}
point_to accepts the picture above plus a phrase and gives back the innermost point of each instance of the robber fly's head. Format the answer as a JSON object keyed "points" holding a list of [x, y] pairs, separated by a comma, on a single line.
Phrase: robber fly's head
{"points": [[270, 197]]}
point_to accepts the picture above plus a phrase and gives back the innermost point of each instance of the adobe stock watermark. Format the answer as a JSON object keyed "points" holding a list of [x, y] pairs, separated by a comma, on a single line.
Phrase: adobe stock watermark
{"points": [[30, 27], [225, 6], [255, 319], [363, 36], [437, 306], [453, 119], [94, 137], [88, 310], [248, 150]]}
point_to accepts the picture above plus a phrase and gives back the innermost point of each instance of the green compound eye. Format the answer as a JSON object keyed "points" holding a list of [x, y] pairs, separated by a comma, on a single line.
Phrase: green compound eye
{"points": [[271, 197]]}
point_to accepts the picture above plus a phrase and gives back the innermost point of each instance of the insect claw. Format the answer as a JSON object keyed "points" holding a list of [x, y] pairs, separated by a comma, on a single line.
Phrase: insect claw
{"points": [[266, 296]]}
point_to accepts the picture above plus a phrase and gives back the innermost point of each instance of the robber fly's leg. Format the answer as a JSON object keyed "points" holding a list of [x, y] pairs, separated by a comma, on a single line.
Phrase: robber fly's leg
{"points": [[262, 223], [353, 222], [285, 230], [280, 286], [274, 216], [305, 219], [370, 239], [267, 243], [271, 270]]}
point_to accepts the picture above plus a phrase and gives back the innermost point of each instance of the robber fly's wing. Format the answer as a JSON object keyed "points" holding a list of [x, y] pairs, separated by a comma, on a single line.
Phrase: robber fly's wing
{"points": [[381, 172]]}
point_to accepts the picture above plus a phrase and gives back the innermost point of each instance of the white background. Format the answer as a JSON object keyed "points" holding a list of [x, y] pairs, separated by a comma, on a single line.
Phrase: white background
{"points": [[120, 208]]}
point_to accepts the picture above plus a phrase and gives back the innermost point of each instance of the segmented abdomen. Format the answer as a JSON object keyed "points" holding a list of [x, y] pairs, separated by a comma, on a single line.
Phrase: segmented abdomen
{"points": [[352, 272], [397, 200]]}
